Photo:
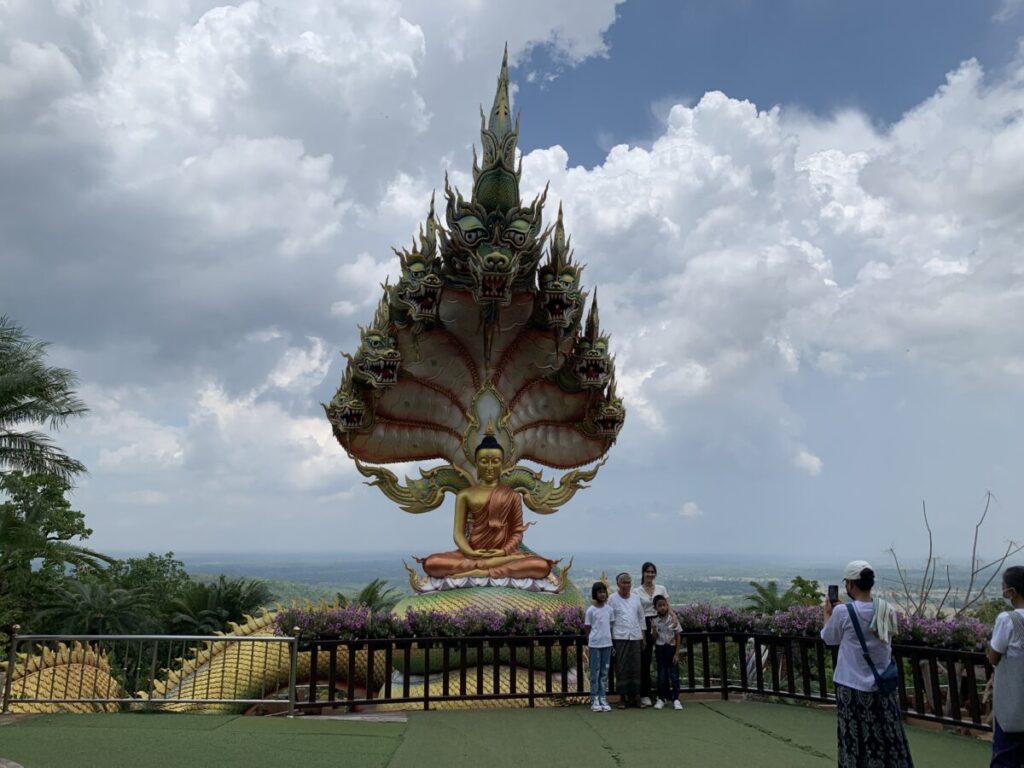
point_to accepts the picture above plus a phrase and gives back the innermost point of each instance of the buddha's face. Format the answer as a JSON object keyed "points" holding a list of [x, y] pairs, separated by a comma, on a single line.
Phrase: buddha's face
{"points": [[488, 464]]}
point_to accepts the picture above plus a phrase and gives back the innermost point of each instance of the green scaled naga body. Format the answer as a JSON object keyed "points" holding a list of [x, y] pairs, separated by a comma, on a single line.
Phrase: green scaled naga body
{"points": [[485, 325]]}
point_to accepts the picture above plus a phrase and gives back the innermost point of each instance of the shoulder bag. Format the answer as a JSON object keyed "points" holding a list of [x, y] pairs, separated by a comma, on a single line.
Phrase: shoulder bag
{"points": [[888, 681]]}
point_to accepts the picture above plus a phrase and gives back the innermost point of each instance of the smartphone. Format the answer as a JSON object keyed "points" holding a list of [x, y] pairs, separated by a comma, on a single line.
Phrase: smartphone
{"points": [[833, 593]]}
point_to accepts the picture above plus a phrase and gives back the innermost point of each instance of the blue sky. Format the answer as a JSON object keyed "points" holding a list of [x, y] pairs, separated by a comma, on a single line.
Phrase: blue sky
{"points": [[879, 57], [803, 218]]}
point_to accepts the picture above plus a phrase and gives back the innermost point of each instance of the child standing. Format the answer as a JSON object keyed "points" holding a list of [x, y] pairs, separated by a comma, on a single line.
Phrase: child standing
{"points": [[598, 626], [666, 630]]}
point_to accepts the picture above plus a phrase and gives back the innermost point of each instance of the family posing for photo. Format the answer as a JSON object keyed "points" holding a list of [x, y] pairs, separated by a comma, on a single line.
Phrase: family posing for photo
{"points": [[637, 624]]}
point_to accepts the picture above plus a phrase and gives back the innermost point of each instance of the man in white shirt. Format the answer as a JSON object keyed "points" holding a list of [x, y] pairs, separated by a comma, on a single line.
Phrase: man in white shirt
{"points": [[628, 639]]}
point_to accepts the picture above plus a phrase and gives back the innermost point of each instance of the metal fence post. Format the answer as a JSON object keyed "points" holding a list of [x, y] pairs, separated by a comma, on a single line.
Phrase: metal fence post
{"points": [[293, 669], [9, 676]]}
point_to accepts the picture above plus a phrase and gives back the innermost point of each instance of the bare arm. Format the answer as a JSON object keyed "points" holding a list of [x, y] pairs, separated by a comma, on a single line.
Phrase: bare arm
{"points": [[993, 656]]}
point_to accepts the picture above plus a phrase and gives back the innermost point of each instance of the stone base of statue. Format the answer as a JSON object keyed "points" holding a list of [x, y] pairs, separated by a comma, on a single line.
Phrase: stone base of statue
{"points": [[459, 595], [452, 595]]}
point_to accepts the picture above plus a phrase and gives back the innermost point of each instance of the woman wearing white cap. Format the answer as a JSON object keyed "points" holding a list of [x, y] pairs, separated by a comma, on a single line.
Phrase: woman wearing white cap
{"points": [[870, 728]]}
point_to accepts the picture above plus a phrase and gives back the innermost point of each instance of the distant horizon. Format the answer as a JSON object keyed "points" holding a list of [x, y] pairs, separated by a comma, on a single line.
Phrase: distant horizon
{"points": [[675, 558]]}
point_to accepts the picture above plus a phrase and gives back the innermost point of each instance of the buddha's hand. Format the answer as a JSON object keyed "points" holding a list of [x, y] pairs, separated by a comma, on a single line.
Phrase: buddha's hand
{"points": [[489, 552]]}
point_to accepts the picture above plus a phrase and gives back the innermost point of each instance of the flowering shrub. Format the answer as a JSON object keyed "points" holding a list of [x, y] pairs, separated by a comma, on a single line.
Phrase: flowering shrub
{"points": [[802, 620], [965, 632], [704, 617], [357, 621]]}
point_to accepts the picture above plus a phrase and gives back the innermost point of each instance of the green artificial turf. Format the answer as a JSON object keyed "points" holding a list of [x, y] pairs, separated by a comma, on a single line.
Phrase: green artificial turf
{"points": [[705, 734]]}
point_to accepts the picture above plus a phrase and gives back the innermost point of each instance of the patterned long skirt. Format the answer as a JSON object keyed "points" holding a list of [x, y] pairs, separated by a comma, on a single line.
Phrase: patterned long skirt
{"points": [[870, 730]]}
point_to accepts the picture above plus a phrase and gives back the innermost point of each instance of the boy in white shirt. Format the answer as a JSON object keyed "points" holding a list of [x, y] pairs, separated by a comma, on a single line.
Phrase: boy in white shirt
{"points": [[666, 630]]}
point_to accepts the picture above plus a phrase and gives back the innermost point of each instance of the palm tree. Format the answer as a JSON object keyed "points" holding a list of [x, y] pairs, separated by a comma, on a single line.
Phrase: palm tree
{"points": [[93, 608], [37, 523], [766, 598], [376, 595], [31, 392], [207, 608], [37, 528]]}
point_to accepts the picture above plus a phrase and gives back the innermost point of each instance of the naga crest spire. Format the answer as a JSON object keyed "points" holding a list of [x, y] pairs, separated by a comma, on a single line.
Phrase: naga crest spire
{"points": [[496, 178], [593, 332], [486, 325]]}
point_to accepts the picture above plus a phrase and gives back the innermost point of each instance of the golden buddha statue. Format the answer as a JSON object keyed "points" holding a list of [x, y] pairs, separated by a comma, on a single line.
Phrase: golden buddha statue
{"points": [[488, 527]]}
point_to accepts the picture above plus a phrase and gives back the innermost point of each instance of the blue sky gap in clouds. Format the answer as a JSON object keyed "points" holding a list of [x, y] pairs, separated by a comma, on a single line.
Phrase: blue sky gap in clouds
{"points": [[879, 57]]}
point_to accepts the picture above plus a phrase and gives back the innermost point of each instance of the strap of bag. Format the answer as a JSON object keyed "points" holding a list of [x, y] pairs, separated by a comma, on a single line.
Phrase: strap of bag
{"points": [[863, 644], [1018, 623]]}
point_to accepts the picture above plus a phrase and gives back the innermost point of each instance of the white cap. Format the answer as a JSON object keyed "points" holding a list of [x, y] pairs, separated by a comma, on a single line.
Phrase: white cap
{"points": [[853, 569]]}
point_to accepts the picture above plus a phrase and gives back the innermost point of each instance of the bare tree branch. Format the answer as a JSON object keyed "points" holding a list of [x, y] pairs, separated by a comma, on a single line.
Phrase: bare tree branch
{"points": [[949, 588], [974, 547]]}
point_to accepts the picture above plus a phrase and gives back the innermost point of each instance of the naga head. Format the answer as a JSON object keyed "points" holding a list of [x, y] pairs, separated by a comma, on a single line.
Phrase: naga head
{"points": [[348, 410], [561, 299], [418, 293], [377, 359], [606, 414], [590, 362], [493, 244]]}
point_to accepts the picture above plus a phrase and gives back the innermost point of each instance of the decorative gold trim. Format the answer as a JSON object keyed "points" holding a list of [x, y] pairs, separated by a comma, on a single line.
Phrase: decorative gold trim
{"points": [[543, 496], [506, 438], [421, 495]]}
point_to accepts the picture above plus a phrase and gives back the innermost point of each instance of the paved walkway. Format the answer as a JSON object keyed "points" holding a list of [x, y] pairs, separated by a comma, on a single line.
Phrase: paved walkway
{"points": [[704, 734]]}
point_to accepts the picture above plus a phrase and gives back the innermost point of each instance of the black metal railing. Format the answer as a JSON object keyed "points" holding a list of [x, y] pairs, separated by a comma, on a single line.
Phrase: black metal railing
{"points": [[943, 686], [938, 685]]}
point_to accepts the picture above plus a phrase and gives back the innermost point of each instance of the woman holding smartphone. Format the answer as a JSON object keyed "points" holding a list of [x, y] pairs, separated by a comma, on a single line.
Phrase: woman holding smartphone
{"points": [[869, 724]]}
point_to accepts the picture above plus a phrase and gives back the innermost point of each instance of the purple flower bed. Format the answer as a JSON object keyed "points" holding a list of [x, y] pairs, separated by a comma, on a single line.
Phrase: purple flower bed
{"points": [[964, 633], [358, 621]]}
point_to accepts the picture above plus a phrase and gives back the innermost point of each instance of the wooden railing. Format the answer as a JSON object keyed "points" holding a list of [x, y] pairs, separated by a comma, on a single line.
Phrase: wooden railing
{"points": [[938, 685], [942, 686]]}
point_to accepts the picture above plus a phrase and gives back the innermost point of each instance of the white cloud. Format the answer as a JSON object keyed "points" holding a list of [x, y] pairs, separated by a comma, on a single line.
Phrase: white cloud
{"points": [[233, 177], [808, 462], [690, 511], [301, 369], [42, 71]]}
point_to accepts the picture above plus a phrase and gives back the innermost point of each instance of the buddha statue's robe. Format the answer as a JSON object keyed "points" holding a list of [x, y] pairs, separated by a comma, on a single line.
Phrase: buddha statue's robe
{"points": [[498, 524]]}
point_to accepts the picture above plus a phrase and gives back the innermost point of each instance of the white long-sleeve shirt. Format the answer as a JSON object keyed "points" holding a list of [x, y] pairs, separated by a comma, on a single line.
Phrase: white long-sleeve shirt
{"points": [[627, 617]]}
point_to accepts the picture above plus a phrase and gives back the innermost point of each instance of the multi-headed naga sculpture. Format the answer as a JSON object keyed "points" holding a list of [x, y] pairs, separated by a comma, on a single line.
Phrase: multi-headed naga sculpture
{"points": [[478, 357]]}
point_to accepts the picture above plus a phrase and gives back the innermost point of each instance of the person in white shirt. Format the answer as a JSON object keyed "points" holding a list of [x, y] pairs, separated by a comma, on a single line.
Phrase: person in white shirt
{"points": [[647, 591], [628, 640], [870, 727], [1006, 653], [597, 624]]}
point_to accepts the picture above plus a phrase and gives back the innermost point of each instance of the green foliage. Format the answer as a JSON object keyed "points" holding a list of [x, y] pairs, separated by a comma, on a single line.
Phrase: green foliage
{"points": [[767, 599], [33, 393], [37, 532], [987, 610], [161, 578], [207, 608], [83, 607], [376, 595], [805, 591]]}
